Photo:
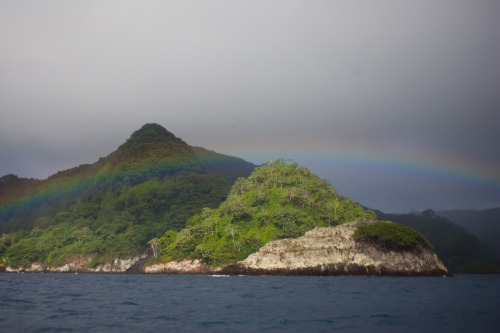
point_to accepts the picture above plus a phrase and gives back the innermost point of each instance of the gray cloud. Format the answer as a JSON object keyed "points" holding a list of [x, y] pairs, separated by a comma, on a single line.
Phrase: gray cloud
{"points": [[413, 81]]}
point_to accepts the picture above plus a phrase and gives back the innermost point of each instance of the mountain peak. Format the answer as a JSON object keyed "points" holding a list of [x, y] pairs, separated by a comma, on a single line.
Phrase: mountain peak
{"points": [[152, 146], [150, 132], [153, 137], [10, 178]]}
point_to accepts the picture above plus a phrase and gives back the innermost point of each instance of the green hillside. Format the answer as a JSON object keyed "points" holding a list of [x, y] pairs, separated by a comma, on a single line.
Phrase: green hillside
{"points": [[278, 200], [152, 183]]}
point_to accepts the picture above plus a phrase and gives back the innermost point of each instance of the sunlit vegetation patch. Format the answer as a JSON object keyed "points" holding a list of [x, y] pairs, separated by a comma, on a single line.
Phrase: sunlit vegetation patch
{"points": [[391, 236], [278, 200]]}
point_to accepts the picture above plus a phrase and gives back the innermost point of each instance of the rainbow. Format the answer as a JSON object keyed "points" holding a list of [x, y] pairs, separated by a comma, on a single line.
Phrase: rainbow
{"points": [[46, 195], [455, 170], [54, 191]]}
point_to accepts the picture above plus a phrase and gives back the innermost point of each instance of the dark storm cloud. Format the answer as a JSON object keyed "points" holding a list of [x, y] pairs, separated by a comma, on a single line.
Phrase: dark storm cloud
{"points": [[413, 81]]}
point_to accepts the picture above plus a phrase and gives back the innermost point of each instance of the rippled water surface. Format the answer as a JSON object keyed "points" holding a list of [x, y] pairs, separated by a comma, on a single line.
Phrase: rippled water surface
{"points": [[193, 303]]}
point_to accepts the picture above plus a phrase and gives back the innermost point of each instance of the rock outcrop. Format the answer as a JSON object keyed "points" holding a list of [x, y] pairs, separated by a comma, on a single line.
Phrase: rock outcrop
{"points": [[82, 265], [321, 251], [334, 251], [182, 267]]}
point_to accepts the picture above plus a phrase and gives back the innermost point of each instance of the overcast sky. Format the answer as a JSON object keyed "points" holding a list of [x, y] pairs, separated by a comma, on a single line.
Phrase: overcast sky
{"points": [[397, 103]]}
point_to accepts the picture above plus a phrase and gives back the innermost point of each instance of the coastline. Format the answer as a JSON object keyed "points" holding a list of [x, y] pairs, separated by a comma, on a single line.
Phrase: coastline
{"points": [[328, 251]]}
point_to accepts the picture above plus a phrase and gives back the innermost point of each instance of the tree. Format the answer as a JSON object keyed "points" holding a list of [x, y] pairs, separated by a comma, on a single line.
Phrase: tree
{"points": [[336, 204], [204, 250], [154, 246], [82, 234], [231, 229]]}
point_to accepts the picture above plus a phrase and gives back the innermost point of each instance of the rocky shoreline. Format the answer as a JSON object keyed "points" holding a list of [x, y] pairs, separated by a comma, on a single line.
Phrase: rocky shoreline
{"points": [[81, 265], [320, 252]]}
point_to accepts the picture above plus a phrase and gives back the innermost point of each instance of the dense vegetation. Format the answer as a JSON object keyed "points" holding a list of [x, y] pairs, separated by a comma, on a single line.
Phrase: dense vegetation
{"points": [[391, 236], [460, 252], [154, 182], [278, 200]]}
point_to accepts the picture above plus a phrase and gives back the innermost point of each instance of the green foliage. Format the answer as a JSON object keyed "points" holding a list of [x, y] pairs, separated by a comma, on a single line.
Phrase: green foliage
{"points": [[278, 200], [391, 236], [3, 261]]}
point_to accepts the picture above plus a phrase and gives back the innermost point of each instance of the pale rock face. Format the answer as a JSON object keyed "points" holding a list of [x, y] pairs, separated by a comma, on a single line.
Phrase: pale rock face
{"points": [[80, 264], [182, 267], [318, 246], [118, 265], [334, 251]]}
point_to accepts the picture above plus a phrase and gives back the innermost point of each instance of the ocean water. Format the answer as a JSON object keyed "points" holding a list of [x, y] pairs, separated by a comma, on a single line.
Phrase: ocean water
{"points": [[204, 303]]}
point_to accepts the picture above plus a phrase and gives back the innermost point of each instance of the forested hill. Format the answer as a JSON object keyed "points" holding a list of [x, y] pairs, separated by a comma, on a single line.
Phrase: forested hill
{"points": [[278, 200], [152, 183]]}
